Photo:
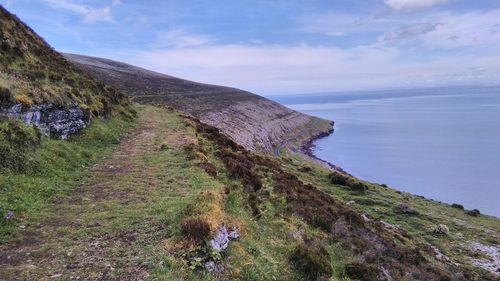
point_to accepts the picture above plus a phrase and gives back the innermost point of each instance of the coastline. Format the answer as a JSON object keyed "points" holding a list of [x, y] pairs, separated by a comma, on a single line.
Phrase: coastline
{"points": [[307, 149]]}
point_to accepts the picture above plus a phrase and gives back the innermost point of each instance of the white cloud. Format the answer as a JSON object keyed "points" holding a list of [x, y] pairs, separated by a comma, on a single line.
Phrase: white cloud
{"points": [[409, 5], [410, 31], [179, 38], [478, 29], [89, 14], [297, 69]]}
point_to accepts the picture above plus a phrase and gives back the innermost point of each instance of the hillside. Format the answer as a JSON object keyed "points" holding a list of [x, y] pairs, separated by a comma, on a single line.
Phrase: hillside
{"points": [[93, 187], [253, 121], [38, 86], [177, 200]]}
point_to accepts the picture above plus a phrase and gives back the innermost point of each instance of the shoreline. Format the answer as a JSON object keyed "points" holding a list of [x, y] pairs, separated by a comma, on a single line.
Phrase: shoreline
{"points": [[308, 146]]}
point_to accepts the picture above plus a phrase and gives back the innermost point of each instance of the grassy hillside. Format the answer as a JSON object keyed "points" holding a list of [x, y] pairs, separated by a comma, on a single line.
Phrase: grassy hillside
{"points": [[31, 72], [165, 196], [150, 209], [253, 121], [41, 88]]}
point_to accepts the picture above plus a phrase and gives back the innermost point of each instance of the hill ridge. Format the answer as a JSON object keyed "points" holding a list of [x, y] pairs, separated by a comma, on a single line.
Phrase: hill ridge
{"points": [[255, 122]]}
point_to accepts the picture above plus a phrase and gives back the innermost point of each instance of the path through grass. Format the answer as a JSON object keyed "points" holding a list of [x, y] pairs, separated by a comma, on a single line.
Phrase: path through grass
{"points": [[112, 224]]}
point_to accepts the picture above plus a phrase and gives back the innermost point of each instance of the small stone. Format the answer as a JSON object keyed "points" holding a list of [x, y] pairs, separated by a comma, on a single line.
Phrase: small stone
{"points": [[441, 229], [8, 216], [22, 226], [222, 238], [404, 208], [213, 267]]}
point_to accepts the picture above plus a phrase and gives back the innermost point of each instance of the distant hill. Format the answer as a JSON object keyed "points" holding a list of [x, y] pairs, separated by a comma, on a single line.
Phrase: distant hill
{"points": [[255, 122]]}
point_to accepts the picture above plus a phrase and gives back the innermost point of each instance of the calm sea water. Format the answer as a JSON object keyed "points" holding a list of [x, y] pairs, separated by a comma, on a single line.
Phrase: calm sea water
{"points": [[443, 144]]}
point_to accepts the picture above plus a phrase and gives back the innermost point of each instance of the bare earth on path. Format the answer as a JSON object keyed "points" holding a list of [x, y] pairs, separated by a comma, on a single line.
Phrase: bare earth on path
{"points": [[103, 229]]}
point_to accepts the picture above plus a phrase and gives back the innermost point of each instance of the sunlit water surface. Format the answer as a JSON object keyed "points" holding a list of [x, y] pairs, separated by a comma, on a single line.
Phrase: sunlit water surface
{"points": [[443, 144]]}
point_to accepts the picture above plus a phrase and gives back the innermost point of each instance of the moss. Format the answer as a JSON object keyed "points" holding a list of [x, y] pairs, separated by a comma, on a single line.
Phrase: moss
{"points": [[313, 260]]}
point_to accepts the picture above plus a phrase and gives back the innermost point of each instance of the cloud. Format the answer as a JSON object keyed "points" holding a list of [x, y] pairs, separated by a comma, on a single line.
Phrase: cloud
{"points": [[447, 31], [179, 38], [278, 69], [410, 5], [89, 14], [339, 24], [410, 31]]}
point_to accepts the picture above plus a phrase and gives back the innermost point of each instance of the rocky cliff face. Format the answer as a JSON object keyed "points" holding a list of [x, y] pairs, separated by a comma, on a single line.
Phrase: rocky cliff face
{"points": [[255, 122], [50, 120]]}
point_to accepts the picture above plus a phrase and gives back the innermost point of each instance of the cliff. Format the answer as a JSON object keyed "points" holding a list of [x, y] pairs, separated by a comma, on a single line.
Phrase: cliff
{"points": [[256, 123]]}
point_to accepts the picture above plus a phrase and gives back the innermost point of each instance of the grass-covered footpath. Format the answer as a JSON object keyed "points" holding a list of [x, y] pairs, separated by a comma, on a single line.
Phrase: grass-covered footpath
{"points": [[35, 169], [115, 203]]}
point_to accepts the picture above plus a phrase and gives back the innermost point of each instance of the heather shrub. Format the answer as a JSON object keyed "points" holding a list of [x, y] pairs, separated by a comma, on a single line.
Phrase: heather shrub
{"points": [[312, 259], [5, 97], [474, 213]]}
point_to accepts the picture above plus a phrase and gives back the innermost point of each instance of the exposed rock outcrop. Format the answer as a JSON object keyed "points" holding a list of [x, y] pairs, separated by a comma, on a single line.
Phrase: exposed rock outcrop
{"points": [[50, 120]]}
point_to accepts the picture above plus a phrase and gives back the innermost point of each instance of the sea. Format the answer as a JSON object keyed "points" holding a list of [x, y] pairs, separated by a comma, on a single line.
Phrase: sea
{"points": [[441, 143]]}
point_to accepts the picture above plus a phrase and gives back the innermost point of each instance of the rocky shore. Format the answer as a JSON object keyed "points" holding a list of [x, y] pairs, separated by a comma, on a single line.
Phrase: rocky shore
{"points": [[307, 148]]}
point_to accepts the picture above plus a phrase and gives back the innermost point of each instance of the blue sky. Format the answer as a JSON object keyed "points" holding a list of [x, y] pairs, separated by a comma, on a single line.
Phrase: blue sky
{"points": [[284, 46]]}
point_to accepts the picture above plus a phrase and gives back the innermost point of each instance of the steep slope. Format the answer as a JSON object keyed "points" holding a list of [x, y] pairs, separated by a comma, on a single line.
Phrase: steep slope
{"points": [[38, 85], [252, 121]]}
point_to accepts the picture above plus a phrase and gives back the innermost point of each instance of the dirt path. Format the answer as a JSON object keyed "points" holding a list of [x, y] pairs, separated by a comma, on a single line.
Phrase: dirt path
{"points": [[102, 230]]}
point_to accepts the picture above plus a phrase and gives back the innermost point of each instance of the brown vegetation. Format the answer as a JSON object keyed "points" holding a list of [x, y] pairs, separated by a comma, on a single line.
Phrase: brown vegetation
{"points": [[378, 251], [203, 216], [313, 260]]}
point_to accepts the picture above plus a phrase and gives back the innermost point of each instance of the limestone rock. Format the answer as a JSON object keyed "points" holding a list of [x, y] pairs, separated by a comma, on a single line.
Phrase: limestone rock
{"points": [[50, 120]]}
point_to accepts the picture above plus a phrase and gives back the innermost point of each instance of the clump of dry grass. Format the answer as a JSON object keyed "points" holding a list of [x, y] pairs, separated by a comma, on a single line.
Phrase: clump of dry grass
{"points": [[24, 100], [203, 216]]}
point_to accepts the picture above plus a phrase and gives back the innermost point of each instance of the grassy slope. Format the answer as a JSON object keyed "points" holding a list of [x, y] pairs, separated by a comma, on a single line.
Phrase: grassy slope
{"points": [[31, 72], [125, 216], [56, 166], [379, 203]]}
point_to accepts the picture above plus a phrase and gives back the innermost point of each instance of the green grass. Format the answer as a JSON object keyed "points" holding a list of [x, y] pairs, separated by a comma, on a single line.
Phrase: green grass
{"points": [[59, 166], [379, 203], [44, 76], [162, 186]]}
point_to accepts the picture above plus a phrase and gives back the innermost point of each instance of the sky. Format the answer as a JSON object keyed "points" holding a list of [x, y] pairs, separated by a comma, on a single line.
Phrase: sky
{"points": [[279, 47]]}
